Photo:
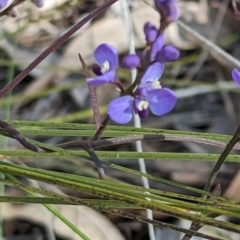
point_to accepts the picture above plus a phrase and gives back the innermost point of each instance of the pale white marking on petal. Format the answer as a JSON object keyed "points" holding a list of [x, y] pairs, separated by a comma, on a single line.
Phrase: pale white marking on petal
{"points": [[105, 67], [142, 105], [156, 84]]}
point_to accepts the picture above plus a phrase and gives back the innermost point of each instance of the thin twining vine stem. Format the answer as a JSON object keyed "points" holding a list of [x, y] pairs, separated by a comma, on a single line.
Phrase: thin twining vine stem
{"points": [[85, 145], [230, 145], [134, 138], [221, 159], [13, 133]]}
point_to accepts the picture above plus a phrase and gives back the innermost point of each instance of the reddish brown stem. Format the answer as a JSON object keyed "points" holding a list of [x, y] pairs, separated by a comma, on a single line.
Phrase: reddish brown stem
{"points": [[13, 133], [93, 96]]}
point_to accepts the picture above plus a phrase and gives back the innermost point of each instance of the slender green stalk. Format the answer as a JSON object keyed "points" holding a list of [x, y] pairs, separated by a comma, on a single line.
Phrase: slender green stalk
{"points": [[106, 193], [166, 156], [114, 211], [52, 210]]}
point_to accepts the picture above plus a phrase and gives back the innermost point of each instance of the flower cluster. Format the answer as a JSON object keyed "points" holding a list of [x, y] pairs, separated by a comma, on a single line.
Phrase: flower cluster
{"points": [[5, 3], [146, 92]]}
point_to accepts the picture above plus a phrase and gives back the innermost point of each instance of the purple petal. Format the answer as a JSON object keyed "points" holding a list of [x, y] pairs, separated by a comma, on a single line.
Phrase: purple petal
{"points": [[106, 52], [164, 2], [157, 46], [150, 32], [153, 72], [143, 89], [236, 76], [167, 8], [97, 70], [109, 77], [131, 61], [38, 3], [3, 3], [174, 13], [120, 109], [168, 54], [161, 101], [143, 114]]}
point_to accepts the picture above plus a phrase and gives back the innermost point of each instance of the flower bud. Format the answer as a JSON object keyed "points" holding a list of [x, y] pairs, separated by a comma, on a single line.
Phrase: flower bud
{"points": [[168, 54], [150, 32], [38, 3], [131, 61]]}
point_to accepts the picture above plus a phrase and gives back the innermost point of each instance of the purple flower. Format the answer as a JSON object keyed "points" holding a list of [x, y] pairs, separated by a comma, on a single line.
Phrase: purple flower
{"points": [[3, 3], [168, 54], [107, 59], [149, 94], [167, 9], [131, 61], [236, 76]]}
